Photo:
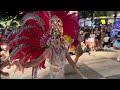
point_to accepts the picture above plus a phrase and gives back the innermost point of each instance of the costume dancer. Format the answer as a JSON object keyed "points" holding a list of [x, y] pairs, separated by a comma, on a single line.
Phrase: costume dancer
{"points": [[33, 36]]}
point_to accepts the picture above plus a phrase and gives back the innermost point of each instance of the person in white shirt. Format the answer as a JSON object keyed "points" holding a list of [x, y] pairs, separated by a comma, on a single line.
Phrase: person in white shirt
{"points": [[92, 41], [106, 41]]}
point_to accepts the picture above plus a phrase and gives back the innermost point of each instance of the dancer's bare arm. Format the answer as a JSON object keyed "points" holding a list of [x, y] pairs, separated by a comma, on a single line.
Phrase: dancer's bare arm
{"points": [[72, 63], [79, 50], [40, 59], [4, 73]]}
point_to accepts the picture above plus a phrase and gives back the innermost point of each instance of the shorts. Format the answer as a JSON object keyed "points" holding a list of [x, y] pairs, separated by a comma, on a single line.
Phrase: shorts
{"points": [[106, 43]]}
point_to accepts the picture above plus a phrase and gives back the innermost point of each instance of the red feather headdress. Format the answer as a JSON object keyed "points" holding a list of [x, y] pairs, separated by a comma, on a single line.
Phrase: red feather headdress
{"points": [[29, 41], [69, 22]]}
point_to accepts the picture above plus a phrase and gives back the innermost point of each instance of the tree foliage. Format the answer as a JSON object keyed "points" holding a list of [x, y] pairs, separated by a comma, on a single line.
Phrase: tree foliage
{"points": [[91, 14]]}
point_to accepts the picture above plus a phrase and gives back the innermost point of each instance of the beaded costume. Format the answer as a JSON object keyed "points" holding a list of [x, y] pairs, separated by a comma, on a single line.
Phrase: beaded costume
{"points": [[57, 62]]}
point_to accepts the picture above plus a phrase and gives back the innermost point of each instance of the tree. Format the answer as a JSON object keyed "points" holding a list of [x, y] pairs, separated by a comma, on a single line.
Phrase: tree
{"points": [[14, 24], [97, 13], [115, 15], [87, 14], [82, 14], [1, 26], [92, 14]]}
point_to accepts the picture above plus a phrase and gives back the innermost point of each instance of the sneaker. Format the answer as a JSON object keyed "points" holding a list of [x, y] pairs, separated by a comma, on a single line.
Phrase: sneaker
{"points": [[89, 53]]}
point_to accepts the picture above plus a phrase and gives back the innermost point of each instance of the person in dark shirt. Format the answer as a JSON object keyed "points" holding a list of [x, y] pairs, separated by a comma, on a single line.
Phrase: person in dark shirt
{"points": [[87, 35]]}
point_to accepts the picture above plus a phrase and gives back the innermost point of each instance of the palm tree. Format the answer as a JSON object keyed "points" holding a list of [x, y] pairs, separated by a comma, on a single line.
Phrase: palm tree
{"points": [[91, 14], [83, 14], [115, 15], [97, 13]]}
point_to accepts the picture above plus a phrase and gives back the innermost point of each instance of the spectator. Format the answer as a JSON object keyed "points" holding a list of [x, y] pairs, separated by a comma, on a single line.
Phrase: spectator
{"points": [[106, 42], [92, 41]]}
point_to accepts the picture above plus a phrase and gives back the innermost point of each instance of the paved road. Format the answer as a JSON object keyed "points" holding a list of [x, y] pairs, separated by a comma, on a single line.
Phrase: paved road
{"points": [[98, 65]]}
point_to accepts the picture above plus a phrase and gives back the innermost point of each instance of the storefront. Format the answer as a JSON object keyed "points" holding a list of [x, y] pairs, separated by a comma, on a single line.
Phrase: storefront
{"points": [[82, 22]]}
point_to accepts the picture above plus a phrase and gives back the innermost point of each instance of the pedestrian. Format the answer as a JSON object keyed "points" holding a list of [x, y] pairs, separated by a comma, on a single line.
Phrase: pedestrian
{"points": [[92, 41], [106, 41]]}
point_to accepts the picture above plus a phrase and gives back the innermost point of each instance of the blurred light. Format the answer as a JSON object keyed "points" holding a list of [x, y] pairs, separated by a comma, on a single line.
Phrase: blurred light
{"points": [[103, 21], [70, 12], [21, 13], [103, 17], [87, 18]]}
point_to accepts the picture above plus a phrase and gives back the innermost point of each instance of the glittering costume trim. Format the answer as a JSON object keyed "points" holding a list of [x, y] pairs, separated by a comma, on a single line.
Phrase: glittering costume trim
{"points": [[35, 17], [58, 58]]}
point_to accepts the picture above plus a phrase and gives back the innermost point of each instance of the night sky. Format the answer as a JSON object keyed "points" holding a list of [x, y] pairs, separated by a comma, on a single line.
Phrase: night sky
{"points": [[5, 14]]}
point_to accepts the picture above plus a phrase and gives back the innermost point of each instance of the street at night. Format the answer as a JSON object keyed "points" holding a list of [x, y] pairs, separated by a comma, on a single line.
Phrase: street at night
{"points": [[71, 44], [98, 65]]}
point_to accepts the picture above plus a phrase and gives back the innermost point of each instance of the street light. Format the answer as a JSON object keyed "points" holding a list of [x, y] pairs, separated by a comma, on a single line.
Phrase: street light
{"points": [[21, 13], [70, 12]]}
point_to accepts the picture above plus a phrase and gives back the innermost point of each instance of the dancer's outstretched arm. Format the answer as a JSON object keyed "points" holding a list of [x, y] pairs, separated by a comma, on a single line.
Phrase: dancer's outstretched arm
{"points": [[40, 59], [79, 50], [72, 63]]}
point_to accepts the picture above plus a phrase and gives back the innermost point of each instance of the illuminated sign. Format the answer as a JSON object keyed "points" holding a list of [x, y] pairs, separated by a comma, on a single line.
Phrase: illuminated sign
{"points": [[103, 20]]}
